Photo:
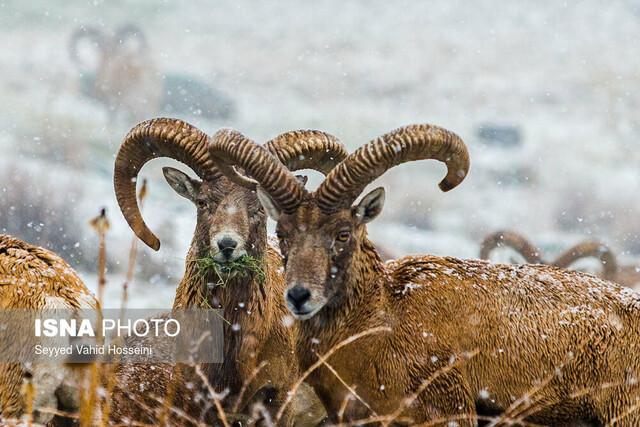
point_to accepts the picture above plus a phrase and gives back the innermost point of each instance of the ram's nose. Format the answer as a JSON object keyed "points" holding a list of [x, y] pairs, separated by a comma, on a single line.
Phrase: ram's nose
{"points": [[227, 245], [298, 296]]}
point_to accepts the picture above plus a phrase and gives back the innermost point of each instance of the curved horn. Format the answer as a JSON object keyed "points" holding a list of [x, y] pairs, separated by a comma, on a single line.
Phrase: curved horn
{"points": [[590, 249], [92, 34], [307, 149], [148, 140], [416, 142], [132, 31], [513, 240], [231, 148]]}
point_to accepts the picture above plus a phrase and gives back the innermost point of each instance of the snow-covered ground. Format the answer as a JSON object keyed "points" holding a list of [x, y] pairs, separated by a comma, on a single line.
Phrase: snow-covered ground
{"points": [[564, 73]]}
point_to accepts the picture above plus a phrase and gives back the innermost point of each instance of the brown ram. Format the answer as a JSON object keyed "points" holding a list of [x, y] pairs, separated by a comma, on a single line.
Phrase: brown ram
{"points": [[465, 338], [625, 275], [35, 278], [231, 224], [127, 81]]}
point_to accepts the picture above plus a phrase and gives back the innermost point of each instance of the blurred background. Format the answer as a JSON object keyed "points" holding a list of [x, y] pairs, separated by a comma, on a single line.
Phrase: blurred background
{"points": [[545, 94]]}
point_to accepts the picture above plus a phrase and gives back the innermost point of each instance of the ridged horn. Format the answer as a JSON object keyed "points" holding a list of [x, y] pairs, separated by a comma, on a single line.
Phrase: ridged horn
{"points": [[148, 140], [230, 148], [513, 240], [590, 249], [415, 142], [307, 149], [131, 31], [85, 32]]}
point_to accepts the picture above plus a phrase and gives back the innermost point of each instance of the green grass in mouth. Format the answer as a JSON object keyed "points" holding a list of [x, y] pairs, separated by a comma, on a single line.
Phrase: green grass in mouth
{"points": [[224, 272], [227, 271]]}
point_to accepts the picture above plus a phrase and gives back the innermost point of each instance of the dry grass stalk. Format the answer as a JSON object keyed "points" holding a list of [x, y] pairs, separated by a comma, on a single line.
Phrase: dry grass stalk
{"points": [[109, 370], [217, 398], [246, 383], [180, 413], [589, 390], [29, 397], [386, 420], [410, 399], [133, 251], [526, 404], [167, 401], [89, 396], [101, 225], [59, 413], [110, 379], [321, 360], [343, 407], [348, 387]]}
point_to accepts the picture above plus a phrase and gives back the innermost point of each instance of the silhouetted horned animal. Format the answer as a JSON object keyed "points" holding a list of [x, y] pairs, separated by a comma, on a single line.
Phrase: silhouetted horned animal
{"points": [[625, 275], [127, 80]]}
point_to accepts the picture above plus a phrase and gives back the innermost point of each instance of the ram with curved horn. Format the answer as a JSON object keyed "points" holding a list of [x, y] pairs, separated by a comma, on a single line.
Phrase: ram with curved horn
{"points": [[96, 38], [440, 340], [513, 240], [230, 230], [124, 79], [624, 275], [128, 82]]}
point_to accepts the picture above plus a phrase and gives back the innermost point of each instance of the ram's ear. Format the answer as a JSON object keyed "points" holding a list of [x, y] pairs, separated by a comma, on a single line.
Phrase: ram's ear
{"points": [[302, 179], [268, 204], [370, 206], [181, 183]]}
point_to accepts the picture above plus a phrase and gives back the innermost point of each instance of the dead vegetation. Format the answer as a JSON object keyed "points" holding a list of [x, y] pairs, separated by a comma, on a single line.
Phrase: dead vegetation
{"points": [[35, 210]]}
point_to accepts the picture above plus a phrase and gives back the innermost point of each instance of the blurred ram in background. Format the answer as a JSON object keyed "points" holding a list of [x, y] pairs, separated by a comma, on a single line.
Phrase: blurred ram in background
{"points": [[126, 81]]}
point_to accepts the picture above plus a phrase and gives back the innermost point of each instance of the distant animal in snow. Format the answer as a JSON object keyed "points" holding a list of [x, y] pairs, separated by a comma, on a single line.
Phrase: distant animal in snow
{"points": [[627, 275], [127, 81]]}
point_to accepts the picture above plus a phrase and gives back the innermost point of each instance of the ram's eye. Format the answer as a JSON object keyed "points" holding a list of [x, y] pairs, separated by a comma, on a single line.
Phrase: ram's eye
{"points": [[201, 204], [343, 236]]}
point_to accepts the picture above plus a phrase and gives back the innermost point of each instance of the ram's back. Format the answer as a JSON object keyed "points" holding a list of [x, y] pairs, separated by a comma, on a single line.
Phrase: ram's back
{"points": [[34, 277], [528, 323]]}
